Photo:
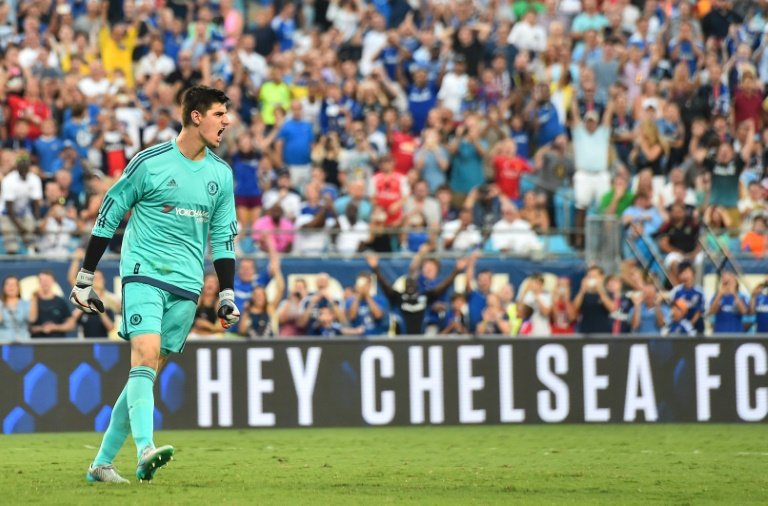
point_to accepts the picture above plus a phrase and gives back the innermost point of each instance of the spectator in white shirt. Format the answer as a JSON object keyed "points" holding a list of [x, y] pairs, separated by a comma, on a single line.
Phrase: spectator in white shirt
{"points": [[534, 296], [527, 35], [461, 234], [21, 192], [512, 234], [254, 63], [454, 86], [160, 131], [95, 85], [58, 232], [283, 194], [315, 222], [156, 62], [352, 231]]}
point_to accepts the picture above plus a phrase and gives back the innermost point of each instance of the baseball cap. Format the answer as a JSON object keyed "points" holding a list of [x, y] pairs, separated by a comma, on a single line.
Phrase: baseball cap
{"points": [[591, 115]]}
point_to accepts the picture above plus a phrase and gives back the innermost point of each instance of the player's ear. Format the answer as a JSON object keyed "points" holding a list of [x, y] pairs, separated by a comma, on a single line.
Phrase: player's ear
{"points": [[195, 118]]}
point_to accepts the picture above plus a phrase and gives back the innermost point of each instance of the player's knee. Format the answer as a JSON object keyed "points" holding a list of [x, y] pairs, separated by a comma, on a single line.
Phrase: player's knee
{"points": [[145, 351]]}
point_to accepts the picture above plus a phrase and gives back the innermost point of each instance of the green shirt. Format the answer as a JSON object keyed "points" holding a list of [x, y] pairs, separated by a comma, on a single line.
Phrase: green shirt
{"points": [[272, 95], [521, 7], [176, 204], [624, 202]]}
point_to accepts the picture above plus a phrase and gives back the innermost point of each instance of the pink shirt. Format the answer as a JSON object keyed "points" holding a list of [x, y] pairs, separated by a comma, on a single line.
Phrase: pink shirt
{"points": [[282, 235]]}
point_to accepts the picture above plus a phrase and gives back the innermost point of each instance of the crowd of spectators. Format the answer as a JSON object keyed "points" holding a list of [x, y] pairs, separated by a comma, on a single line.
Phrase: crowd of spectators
{"points": [[382, 126], [427, 300], [404, 126]]}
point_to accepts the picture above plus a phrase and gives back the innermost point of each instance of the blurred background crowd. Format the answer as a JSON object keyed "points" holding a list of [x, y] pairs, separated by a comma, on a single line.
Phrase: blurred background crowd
{"points": [[417, 127]]}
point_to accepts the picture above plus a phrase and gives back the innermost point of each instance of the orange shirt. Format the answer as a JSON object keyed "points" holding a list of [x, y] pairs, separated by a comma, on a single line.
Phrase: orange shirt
{"points": [[754, 243]]}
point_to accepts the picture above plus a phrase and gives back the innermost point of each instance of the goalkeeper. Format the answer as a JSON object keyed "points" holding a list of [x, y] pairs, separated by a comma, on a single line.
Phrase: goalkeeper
{"points": [[179, 193]]}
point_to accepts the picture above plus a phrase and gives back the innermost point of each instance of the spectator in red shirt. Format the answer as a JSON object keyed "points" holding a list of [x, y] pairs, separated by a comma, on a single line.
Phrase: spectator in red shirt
{"points": [[403, 144], [390, 191], [748, 101], [508, 168], [30, 108]]}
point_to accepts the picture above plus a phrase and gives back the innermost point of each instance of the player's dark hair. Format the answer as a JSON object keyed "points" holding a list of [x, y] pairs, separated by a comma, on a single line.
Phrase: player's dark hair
{"points": [[200, 99]]}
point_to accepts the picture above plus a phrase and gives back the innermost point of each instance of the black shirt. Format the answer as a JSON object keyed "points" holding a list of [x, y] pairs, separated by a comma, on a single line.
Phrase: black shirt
{"points": [[207, 313], [260, 326], [682, 237], [55, 310], [412, 308], [717, 21], [92, 325], [595, 319], [265, 39]]}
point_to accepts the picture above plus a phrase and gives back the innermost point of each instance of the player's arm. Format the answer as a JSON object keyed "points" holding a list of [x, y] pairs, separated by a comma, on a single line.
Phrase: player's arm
{"points": [[223, 233], [119, 199]]}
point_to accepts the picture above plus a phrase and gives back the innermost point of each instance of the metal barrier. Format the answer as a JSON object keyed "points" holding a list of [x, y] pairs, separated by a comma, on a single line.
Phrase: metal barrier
{"points": [[603, 242]]}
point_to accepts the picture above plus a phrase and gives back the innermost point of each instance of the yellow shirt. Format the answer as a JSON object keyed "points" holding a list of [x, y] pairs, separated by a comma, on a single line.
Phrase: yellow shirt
{"points": [[118, 56], [272, 95]]}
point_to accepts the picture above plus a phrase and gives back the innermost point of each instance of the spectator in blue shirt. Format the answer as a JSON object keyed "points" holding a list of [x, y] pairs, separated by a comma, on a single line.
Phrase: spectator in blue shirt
{"points": [[728, 306], [327, 325], [758, 306], [468, 150], [422, 97], [294, 145], [367, 310], [544, 115], [476, 296], [47, 147], [649, 314], [691, 294], [284, 26], [678, 324]]}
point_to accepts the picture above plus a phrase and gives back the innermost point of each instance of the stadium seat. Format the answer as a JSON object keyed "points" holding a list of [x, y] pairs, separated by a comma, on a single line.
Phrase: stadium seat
{"points": [[557, 244]]}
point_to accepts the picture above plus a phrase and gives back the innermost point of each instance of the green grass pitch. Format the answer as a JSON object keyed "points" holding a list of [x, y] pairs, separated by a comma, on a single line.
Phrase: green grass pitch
{"points": [[577, 464]]}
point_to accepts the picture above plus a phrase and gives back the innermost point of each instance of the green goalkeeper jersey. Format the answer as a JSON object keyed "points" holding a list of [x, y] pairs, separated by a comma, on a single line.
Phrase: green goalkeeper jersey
{"points": [[176, 203]]}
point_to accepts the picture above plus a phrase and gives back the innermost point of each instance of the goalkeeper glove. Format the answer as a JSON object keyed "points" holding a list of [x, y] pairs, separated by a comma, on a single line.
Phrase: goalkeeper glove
{"points": [[228, 313], [83, 296]]}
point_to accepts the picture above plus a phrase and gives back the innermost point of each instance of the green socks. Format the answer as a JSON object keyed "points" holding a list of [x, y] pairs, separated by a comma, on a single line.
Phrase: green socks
{"points": [[141, 405], [117, 432]]}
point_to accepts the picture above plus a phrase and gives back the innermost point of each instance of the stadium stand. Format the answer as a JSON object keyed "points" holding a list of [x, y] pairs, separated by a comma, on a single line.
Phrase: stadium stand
{"points": [[623, 133]]}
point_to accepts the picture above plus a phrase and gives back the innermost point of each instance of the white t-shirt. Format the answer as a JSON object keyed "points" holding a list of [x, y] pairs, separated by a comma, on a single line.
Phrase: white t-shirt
{"points": [[527, 37], [57, 236], [308, 241], [255, 65], [133, 119], [515, 237], [164, 135], [291, 203], [21, 192], [350, 237], [453, 89], [373, 41], [152, 64], [467, 239], [92, 88], [540, 326]]}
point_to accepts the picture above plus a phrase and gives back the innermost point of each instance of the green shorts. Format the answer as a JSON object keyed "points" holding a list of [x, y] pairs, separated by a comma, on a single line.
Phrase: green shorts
{"points": [[151, 310]]}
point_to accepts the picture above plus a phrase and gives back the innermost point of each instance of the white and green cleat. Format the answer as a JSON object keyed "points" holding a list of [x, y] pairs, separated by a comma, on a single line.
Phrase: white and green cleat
{"points": [[105, 473], [151, 460]]}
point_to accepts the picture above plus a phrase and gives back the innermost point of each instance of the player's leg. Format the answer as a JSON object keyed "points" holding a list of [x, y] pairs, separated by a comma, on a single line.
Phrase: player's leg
{"points": [[102, 470], [119, 427], [145, 361], [142, 324]]}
